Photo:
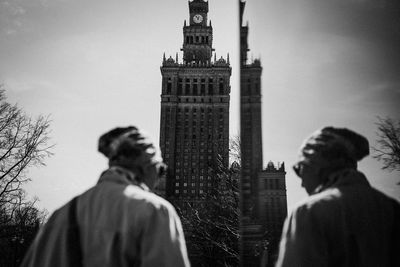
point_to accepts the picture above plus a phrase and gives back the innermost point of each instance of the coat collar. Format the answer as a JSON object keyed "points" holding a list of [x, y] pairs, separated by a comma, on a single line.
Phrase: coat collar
{"points": [[120, 175], [343, 177]]}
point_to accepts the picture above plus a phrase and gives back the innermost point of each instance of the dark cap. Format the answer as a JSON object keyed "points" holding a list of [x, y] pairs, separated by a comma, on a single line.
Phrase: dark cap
{"points": [[129, 142], [332, 145]]}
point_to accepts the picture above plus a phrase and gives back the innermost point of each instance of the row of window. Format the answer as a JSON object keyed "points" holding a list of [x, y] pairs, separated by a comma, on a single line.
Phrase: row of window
{"points": [[196, 86], [196, 39], [193, 176], [194, 110], [185, 143], [251, 88], [273, 184], [177, 184], [194, 100], [185, 191], [183, 120]]}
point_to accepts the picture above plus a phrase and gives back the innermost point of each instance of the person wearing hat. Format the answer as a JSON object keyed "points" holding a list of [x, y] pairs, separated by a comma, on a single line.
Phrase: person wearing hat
{"points": [[118, 222], [344, 221]]}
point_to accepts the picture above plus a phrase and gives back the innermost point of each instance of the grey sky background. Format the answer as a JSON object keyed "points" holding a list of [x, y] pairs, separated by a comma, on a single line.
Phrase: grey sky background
{"points": [[94, 65]]}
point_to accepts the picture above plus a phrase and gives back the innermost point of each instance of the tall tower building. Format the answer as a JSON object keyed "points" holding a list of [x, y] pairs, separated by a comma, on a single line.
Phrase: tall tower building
{"points": [[251, 229], [250, 124], [272, 205], [194, 127], [263, 191]]}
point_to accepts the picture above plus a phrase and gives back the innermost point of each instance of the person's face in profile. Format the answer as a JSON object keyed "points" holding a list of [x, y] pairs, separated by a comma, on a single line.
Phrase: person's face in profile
{"points": [[309, 176], [153, 172]]}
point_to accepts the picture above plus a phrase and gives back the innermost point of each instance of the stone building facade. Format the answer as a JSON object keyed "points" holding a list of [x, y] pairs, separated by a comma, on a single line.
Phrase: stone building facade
{"points": [[262, 191], [194, 127]]}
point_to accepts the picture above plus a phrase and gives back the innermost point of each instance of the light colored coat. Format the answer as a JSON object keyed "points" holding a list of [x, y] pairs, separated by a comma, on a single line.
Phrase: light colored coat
{"points": [[348, 223], [120, 224]]}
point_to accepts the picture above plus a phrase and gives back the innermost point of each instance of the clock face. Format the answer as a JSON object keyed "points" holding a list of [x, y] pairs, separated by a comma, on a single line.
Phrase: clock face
{"points": [[197, 18]]}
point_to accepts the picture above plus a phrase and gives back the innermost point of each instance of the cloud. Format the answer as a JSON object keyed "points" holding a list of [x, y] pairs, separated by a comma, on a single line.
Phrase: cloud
{"points": [[20, 15], [11, 14]]}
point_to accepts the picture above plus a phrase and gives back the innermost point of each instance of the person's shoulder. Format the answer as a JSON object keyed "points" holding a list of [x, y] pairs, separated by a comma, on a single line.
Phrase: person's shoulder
{"points": [[147, 199], [384, 198], [319, 202], [330, 195], [59, 218]]}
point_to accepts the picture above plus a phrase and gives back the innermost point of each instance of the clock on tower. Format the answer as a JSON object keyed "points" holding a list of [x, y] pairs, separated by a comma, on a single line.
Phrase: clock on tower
{"points": [[198, 12], [197, 18]]}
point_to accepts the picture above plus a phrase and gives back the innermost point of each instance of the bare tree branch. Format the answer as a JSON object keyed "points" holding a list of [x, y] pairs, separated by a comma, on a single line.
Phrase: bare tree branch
{"points": [[212, 227], [387, 149], [23, 144], [234, 149]]}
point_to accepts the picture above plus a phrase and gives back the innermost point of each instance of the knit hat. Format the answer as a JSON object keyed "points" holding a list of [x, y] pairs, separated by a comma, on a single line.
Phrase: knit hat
{"points": [[333, 148], [129, 142]]}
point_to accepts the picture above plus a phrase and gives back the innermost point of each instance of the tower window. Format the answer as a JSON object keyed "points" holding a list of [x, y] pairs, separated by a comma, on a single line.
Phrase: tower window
{"points": [[187, 89], [210, 86], [169, 87], [257, 88], [197, 39], [195, 89], [221, 86], [180, 87]]}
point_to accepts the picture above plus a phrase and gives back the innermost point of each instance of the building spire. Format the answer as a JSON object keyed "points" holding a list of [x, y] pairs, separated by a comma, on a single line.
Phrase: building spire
{"points": [[227, 58], [176, 57]]}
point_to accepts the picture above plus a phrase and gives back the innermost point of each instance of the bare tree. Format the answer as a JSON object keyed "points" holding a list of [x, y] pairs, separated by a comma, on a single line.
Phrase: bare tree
{"points": [[212, 226], [234, 149], [388, 143], [23, 144], [19, 224]]}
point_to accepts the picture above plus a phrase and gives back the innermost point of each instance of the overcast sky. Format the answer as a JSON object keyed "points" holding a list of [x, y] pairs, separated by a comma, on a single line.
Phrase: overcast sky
{"points": [[94, 65]]}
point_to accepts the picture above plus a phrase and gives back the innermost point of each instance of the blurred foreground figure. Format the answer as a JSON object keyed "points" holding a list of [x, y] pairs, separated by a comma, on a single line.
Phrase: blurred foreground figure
{"points": [[118, 222], [344, 222]]}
